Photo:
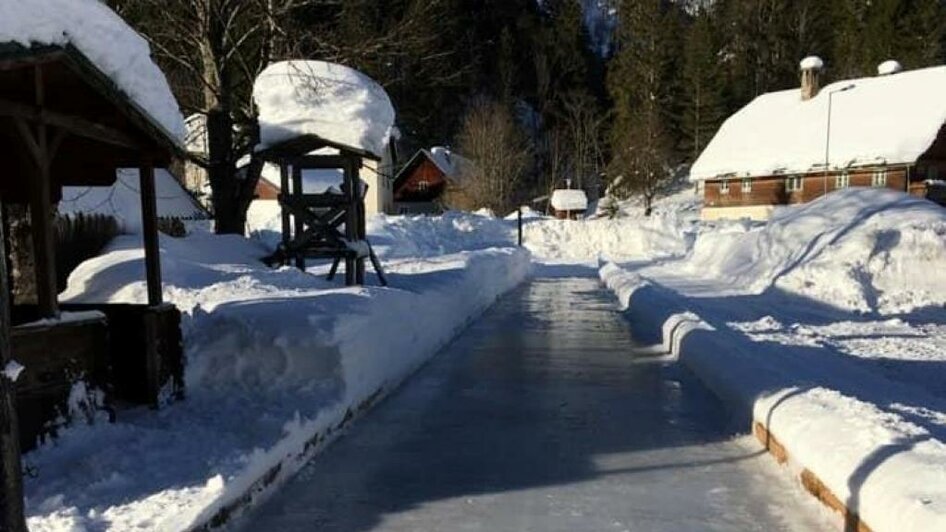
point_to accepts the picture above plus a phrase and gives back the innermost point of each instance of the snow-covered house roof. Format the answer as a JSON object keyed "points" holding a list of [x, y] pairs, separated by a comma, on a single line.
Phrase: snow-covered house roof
{"points": [[327, 100], [447, 161], [569, 200], [123, 199], [890, 119], [106, 41]]}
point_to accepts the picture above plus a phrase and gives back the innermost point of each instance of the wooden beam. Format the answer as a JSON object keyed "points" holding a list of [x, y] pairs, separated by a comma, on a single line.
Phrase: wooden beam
{"points": [[322, 162], [361, 232], [72, 124], [149, 224], [351, 219], [283, 195], [11, 474], [298, 221]]}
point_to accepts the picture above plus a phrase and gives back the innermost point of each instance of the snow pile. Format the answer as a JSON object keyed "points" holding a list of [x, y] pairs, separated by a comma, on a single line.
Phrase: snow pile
{"points": [[879, 120], [123, 199], [277, 361], [669, 232], [862, 249], [569, 200], [12, 370], [875, 443], [106, 40], [811, 62], [397, 237], [332, 101]]}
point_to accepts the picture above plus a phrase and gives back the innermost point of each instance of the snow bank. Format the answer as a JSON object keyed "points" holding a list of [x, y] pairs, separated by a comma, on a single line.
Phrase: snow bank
{"points": [[878, 446], [332, 101], [400, 237], [860, 249], [123, 199], [881, 120], [102, 36], [278, 361], [669, 232]]}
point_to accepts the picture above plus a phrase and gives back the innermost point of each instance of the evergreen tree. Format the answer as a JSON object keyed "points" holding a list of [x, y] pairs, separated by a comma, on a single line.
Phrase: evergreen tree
{"points": [[641, 86], [702, 90]]}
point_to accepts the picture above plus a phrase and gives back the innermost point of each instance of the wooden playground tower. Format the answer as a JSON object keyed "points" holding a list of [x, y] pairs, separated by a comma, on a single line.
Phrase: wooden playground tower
{"points": [[326, 225]]}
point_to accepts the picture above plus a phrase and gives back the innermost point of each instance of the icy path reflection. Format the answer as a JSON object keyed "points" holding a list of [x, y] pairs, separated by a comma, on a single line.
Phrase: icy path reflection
{"points": [[540, 417]]}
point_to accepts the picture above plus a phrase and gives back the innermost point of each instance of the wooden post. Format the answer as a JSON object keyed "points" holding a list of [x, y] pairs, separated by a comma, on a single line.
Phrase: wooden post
{"points": [[149, 225], [519, 217], [11, 474], [351, 219], [298, 223], [361, 234], [283, 195]]}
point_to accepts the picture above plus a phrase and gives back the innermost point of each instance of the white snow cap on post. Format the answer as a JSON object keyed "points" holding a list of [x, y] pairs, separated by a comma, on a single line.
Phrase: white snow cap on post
{"points": [[106, 40], [812, 62], [337, 103], [888, 68], [569, 200]]}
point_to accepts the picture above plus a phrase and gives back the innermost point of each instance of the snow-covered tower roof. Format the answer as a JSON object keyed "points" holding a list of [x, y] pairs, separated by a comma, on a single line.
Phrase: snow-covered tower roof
{"points": [[890, 119], [327, 100], [105, 40]]}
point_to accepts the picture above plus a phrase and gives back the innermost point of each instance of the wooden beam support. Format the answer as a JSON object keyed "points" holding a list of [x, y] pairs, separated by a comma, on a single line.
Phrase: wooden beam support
{"points": [[283, 196], [71, 124], [322, 162], [298, 221], [11, 474], [149, 224], [41, 219], [361, 232], [351, 220]]}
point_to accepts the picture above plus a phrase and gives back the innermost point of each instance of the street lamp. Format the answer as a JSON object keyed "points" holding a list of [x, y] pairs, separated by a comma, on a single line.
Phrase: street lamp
{"points": [[827, 140]]}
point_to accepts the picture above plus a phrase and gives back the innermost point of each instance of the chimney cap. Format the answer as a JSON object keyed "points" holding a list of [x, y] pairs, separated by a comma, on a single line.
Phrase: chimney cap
{"points": [[812, 62], [888, 68]]}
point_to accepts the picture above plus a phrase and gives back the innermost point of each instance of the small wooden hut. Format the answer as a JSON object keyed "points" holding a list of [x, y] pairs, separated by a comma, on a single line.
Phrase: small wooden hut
{"points": [[67, 124], [569, 204]]}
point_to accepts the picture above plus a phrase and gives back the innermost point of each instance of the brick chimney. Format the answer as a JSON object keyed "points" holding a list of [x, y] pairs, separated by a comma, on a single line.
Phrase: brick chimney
{"points": [[810, 77]]}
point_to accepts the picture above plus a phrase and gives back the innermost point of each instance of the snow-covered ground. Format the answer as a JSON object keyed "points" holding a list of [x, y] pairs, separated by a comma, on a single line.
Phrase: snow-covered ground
{"points": [[827, 326], [276, 361]]}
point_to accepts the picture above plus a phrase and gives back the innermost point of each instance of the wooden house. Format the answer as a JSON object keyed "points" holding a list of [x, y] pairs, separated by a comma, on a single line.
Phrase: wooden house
{"points": [[796, 145], [430, 182]]}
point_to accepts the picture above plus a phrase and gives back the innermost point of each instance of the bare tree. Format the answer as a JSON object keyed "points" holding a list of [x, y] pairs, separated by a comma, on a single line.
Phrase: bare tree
{"points": [[585, 123], [491, 138], [213, 50]]}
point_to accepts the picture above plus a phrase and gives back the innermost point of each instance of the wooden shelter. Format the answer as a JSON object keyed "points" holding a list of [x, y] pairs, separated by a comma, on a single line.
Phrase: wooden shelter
{"points": [[67, 124], [325, 225]]}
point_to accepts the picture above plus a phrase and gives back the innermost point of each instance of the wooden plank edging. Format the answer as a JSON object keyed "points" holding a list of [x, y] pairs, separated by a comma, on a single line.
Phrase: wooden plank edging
{"points": [[812, 484]]}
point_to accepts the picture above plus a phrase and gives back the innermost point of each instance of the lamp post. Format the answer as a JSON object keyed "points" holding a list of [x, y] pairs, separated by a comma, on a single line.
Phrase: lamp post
{"points": [[827, 139]]}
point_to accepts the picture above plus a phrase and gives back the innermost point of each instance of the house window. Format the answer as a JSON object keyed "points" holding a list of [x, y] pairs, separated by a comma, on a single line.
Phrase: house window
{"points": [[842, 180], [746, 186], [879, 178], [793, 184], [724, 187], [422, 186]]}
